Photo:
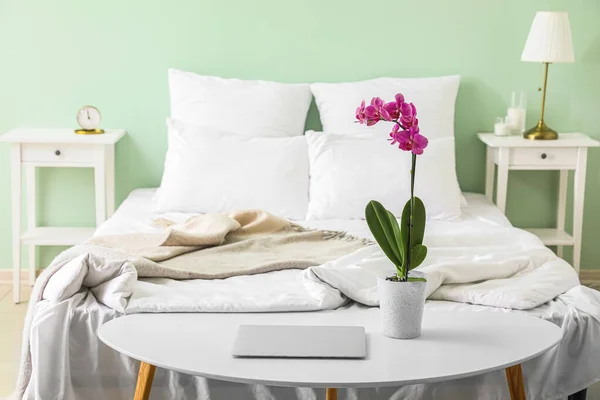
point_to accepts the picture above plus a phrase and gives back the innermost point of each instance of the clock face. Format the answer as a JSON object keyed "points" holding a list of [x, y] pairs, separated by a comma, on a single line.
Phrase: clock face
{"points": [[88, 117]]}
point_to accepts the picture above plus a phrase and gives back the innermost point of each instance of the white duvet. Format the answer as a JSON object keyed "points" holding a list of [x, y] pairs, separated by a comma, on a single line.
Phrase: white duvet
{"points": [[505, 267], [481, 261]]}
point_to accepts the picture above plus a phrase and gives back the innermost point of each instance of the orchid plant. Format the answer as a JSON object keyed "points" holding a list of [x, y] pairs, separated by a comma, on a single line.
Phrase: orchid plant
{"points": [[402, 244]]}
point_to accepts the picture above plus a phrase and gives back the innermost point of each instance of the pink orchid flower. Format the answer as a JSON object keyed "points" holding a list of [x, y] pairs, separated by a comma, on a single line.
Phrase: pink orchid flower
{"points": [[372, 115], [377, 102], [409, 140], [360, 113], [373, 111], [409, 115], [393, 107], [405, 132]]}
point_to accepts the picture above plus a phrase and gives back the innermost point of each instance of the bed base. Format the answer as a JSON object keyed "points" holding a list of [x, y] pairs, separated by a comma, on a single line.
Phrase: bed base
{"points": [[581, 395]]}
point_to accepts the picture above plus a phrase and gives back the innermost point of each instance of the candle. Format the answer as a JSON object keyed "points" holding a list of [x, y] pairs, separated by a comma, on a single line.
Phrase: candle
{"points": [[516, 119], [502, 129]]}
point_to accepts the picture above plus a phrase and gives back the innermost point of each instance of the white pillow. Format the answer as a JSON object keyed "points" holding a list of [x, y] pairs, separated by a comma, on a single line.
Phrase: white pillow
{"points": [[254, 108], [346, 172], [434, 99], [207, 171]]}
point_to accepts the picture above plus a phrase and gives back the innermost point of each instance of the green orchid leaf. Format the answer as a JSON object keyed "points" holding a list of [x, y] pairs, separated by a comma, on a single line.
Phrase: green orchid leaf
{"points": [[415, 279], [419, 218], [404, 226], [417, 255], [379, 224], [400, 271], [418, 228], [417, 234], [397, 235]]}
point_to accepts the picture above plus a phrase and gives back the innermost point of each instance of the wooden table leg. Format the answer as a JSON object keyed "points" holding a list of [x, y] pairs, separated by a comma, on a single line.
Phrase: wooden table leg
{"points": [[144, 381], [331, 394], [514, 376]]}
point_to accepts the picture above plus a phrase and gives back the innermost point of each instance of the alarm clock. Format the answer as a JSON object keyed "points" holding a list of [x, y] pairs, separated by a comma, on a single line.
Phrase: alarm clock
{"points": [[88, 118]]}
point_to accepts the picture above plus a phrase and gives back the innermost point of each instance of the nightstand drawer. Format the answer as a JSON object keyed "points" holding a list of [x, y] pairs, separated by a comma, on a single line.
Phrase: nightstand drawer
{"points": [[543, 157], [58, 153]]}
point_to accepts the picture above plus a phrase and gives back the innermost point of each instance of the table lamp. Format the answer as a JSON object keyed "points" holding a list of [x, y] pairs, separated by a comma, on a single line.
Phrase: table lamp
{"points": [[549, 41]]}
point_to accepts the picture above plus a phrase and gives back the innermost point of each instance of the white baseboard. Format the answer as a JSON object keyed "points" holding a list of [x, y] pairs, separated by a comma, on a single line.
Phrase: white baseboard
{"points": [[589, 275], [6, 275]]}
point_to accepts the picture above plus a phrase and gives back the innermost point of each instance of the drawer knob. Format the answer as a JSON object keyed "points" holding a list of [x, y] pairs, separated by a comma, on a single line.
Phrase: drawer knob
{"points": [[57, 152], [544, 156]]}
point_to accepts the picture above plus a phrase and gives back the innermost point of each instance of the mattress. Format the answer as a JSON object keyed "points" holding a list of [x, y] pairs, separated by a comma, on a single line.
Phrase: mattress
{"points": [[71, 363]]}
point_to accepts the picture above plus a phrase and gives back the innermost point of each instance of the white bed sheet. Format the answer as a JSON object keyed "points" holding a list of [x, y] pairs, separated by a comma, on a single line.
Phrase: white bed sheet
{"points": [[136, 213], [95, 372]]}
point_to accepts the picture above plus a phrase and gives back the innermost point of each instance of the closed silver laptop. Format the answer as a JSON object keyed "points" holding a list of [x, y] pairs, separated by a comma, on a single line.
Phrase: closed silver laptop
{"points": [[299, 341]]}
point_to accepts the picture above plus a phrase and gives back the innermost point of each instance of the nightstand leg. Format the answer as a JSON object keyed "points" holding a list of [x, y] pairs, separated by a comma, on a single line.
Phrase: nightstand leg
{"points": [[100, 189], [31, 218], [15, 160], [578, 205], [489, 174], [562, 205], [502, 185], [514, 376], [330, 394], [109, 163], [144, 381]]}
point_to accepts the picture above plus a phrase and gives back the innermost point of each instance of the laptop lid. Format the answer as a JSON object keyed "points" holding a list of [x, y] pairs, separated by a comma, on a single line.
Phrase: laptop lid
{"points": [[299, 341]]}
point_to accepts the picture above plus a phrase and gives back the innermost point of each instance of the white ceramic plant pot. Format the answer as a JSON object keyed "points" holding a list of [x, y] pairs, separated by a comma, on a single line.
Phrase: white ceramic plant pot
{"points": [[401, 305]]}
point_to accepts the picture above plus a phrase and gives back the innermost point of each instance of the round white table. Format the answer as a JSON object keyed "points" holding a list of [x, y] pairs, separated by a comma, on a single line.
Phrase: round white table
{"points": [[453, 345]]}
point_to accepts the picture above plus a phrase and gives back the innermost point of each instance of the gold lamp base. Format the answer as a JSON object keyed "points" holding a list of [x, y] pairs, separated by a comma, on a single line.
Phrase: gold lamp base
{"points": [[89, 131], [540, 132]]}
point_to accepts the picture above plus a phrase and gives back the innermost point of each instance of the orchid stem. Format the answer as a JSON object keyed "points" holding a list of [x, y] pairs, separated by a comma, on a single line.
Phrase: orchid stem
{"points": [[400, 125], [404, 273], [412, 207]]}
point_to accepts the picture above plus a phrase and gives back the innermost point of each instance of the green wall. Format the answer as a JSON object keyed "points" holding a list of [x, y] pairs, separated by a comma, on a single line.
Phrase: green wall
{"points": [[56, 56]]}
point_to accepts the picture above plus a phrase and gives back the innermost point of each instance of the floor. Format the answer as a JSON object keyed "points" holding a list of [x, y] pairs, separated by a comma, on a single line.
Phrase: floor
{"points": [[11, 326], [594, 284], [12, 316]]}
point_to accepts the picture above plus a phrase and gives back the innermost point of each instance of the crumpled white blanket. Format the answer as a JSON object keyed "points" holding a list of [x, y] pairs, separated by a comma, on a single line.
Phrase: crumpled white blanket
{"points": [[506, 267], [109, 280], [511, 270], [105, 273]]}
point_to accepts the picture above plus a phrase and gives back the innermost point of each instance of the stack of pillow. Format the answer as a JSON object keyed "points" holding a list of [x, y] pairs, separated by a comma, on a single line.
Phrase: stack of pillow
{"points": [[235, 144]]}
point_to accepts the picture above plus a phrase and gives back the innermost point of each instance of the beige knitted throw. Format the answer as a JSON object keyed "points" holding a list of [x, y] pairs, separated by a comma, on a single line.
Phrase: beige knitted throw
{"points": [[217, 246]]}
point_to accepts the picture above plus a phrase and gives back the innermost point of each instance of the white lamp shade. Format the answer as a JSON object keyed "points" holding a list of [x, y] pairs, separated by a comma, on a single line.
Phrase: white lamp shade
{"points": [[549, 39]]}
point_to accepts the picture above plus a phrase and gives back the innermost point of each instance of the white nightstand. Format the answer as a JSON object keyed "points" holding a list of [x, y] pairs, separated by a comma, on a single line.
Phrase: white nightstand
{"points": [[567, 153], [31, 148]]}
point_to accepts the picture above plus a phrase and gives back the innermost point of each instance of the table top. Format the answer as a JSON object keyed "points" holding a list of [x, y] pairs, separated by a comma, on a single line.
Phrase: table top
{"points": [[564, 140], [42, 135], [452, 345]]}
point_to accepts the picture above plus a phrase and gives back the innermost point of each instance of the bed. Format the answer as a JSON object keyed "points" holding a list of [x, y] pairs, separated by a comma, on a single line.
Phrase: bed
{"points": [[220, 159], [69, 361]]}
